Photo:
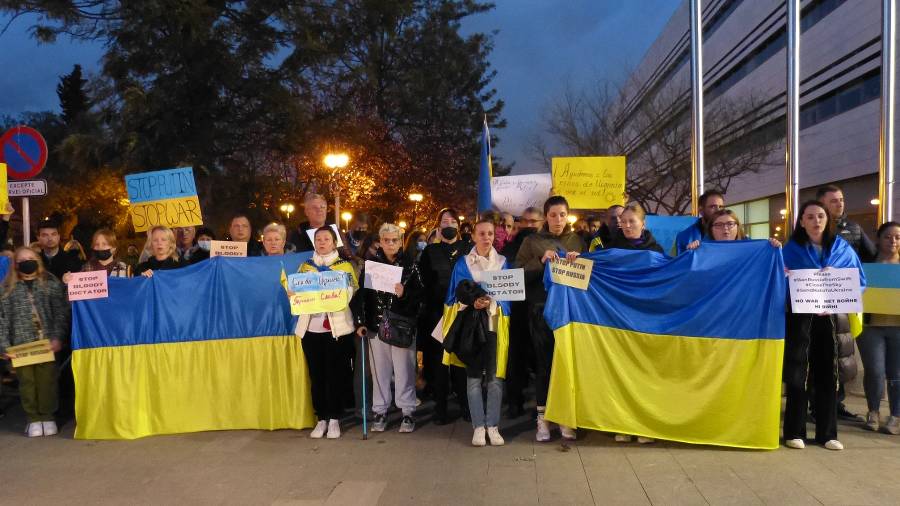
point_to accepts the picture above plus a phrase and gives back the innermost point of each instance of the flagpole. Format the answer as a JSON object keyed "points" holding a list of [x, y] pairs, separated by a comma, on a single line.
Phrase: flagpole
{"points": [[697, 174]]}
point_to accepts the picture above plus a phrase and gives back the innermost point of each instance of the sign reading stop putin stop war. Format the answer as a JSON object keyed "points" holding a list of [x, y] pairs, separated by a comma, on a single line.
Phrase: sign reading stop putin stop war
{"points": [[164, 197], [590, 182]]}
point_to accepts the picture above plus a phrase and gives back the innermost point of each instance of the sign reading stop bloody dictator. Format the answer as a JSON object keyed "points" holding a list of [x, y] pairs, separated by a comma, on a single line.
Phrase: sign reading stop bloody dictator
{"points": [[164, 197], [24, 151]]}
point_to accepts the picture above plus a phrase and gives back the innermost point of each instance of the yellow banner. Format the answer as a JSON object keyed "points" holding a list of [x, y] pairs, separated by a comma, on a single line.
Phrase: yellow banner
{"points": [[318, 292], [590, 182], [4, 191], [177, 212], [35, 352]]}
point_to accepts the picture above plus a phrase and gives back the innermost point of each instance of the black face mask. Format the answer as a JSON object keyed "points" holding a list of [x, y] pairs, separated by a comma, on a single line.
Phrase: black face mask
{"points": [[449, 233], [103, 254], [27, 266], [358, 235]]}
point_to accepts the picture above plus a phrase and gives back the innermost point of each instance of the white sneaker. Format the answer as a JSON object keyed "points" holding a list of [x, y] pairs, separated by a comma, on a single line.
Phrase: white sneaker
{"points": [[796, 444], [834, 444], [319, 430], [478, 437], [50, 428], [623, 438], [334, 429], [495, 437], [543, 429], [645, 440], [34, 429], [568, 433], [379, 423]]}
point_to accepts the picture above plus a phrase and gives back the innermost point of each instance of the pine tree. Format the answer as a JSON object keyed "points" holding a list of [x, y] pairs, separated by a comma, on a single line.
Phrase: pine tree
{"points": [[73, 98]]}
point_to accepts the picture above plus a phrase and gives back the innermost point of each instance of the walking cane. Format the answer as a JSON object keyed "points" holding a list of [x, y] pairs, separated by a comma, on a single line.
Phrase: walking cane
{"points": [[365, 411]]}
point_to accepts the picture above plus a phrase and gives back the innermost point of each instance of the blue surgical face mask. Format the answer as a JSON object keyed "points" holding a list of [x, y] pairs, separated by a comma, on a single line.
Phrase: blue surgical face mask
{"points": [[421, 245], [204, 245]]}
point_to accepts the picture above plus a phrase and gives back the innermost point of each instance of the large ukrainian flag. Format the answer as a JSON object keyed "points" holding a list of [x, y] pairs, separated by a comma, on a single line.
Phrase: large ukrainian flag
{"points": [[686, 349], [206, 347], [882, 295]]}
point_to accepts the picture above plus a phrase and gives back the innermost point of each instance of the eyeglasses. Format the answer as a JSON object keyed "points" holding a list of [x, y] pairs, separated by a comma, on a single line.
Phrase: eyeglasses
{"points": [[389, 241], [726, 225]]}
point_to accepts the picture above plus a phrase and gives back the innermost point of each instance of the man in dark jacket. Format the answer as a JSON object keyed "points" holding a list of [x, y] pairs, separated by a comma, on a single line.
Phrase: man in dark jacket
{"points": [[55, 260], [436, 266], [521, 355], [833, 198], [315, 207], [240, 230]]}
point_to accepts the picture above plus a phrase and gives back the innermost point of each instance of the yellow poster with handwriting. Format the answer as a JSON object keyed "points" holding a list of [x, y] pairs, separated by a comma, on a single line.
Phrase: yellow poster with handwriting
{"points": [[4, 190], [590, 182]]}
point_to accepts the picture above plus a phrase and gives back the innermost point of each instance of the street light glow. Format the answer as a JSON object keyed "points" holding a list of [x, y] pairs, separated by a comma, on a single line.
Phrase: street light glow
{"points": [[875, 202], [336, 160], [402, 224], [572, 219], [346, 216], [416, 197]]}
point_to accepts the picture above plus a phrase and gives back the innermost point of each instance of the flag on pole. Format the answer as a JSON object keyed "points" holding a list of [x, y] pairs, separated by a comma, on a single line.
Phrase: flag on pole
{"points": [[485, 172]]}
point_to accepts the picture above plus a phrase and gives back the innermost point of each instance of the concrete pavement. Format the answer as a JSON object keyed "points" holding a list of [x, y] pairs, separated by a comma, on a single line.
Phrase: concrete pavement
{"points": [[436, 465]]}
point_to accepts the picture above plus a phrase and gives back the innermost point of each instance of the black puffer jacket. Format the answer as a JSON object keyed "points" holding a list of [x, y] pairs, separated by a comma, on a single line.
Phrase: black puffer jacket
{"points": [[851, 232], [798, 338], [369, 306]]}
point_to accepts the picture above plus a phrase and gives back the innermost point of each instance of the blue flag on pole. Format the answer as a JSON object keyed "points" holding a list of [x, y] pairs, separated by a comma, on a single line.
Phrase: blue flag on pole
{"points": [[485, 172]]}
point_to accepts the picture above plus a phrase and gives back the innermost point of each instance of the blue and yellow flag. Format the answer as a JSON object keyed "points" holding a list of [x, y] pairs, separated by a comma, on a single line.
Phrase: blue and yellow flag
{"points": [[206, 347], [882, 295], [686, 349], [461, 272], [485, 171]]}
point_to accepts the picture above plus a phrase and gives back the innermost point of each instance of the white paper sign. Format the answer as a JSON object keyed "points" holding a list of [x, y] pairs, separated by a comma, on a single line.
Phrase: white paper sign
{"points": [[513, 194], [825, 291], [312, 235], [504, 285], [382, 277]]}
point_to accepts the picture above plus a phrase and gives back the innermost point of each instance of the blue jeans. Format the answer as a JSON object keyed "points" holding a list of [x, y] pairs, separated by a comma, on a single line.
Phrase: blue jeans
{"points": [[879, 348], [494, 397]]}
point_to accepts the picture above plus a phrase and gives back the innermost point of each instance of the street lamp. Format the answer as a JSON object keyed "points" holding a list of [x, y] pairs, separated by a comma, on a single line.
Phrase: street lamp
{"points": [[287, 209], [336, 161], [346, 216], [572, 219], [402, 224], [415, 198]]}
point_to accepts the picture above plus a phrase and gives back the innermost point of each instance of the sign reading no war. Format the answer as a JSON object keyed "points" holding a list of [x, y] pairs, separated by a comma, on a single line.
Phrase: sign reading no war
{"points": [[164, 197], [825, 291]]}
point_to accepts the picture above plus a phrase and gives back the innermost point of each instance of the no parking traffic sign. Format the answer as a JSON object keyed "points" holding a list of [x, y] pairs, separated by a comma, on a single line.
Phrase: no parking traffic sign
{"points": [[24, 151]]}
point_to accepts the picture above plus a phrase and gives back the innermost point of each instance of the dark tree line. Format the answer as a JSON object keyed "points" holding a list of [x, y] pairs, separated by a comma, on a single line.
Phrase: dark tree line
{"points": [[254, 93]]}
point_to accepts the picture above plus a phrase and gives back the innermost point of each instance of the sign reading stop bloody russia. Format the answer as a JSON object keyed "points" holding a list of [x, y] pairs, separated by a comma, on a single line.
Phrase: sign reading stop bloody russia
{"points": [[164, 197]]}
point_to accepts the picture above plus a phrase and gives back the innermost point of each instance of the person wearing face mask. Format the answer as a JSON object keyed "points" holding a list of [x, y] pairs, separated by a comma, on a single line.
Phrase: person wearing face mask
{"points": [[521, 352], [358, 231], [103, 255], [818, 349], [205, 237], [415, 245], [161, 245], [33, 306], [555, 239], [435, 267]]}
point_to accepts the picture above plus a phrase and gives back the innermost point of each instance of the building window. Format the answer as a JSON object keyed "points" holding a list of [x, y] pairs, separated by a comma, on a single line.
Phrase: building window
{"points": [[849, 96], [754, 216]]}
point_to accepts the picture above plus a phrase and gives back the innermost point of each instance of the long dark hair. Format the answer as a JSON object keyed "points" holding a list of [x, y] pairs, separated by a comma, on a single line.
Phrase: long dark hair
{"points": [[799, 234]]}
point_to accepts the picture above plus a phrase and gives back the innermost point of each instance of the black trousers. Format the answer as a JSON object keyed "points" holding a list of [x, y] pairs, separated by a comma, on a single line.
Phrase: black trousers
{"points": [[329, 372], [440, 378], [521, 354], [817, 364], [543, 342]]}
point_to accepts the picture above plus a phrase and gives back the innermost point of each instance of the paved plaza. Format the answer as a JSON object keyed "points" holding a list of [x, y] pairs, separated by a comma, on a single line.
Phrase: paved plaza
{"points": [[436, 465]]}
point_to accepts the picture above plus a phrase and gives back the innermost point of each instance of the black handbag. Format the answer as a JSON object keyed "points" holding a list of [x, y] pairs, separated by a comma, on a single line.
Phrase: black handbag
{"points": [[397, 330]]}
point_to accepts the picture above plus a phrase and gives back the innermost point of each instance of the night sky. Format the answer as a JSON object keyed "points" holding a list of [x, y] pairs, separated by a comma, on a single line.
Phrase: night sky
{"points": [[541, 47]]}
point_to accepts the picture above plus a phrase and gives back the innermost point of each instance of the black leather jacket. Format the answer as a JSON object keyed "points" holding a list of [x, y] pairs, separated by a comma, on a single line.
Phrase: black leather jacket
{"points": [[369, 306]]}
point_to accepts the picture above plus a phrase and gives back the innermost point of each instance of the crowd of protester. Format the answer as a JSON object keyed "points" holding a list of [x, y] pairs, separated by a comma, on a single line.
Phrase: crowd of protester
{"points": [[407, 365]]}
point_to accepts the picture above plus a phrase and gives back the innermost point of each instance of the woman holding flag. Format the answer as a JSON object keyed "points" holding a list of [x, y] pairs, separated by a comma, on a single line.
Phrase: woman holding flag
{"points": [[325, 339], [476, 331], [816, 346]]}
